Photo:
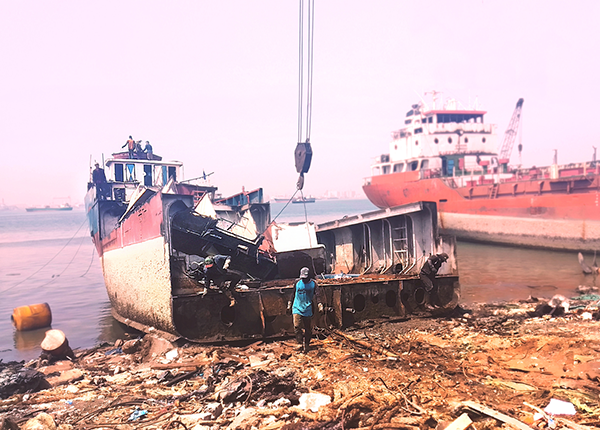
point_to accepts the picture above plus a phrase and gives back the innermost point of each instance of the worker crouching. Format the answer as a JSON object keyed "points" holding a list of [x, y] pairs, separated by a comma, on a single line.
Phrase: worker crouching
{"points": [[302, 308]]}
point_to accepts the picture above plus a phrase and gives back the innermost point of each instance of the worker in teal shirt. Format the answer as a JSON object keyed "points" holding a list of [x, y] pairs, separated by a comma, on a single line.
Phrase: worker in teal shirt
{"points": [[302, 308]]}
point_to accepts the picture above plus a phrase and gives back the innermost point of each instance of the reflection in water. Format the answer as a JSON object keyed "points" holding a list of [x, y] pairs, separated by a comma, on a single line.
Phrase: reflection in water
{"points": [[111, 329], [29, 340], [494, 273]]}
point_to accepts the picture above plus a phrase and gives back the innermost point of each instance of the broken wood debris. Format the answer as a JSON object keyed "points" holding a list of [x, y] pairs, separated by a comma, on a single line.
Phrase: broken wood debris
{"points": [[407, 374]]}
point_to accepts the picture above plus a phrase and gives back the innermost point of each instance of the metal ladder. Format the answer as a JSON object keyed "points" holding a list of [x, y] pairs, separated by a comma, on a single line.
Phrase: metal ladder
{"points": [[400, 243]]}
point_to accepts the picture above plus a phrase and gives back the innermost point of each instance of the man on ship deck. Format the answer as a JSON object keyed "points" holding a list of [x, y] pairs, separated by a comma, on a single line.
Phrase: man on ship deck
{"points": [[216, 273], [130, 144], [99, 180]]}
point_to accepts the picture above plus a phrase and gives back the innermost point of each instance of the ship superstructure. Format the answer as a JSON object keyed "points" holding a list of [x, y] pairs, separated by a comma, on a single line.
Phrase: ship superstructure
{"points": [[451, 156]]}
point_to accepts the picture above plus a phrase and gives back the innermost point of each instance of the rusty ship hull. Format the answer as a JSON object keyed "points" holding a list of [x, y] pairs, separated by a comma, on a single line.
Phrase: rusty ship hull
{"points": [[151, 238], [557, 213], [451, 156]]}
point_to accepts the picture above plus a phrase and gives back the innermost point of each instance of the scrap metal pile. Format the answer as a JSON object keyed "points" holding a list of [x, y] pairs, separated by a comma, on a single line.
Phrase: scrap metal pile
{"points": [[489, 367]]}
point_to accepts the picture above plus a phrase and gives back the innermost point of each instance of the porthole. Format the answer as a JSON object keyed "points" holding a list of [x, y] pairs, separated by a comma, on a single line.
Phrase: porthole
{"points": [[416, 143], [466, 140], [449, 140], [483, 139], [359, 303], [436, 140]]}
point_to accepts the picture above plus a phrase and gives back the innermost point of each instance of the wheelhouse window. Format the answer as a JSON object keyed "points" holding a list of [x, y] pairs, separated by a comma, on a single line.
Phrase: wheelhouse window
{"points": [[118, 172], [172, 173], [147, 175], [414, 165], [419, 130], [398, 167], [386, 169], [130, 172]]}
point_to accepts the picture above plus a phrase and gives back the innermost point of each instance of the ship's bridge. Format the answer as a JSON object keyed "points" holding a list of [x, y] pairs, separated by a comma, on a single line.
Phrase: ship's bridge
{"points": [[124, 175], [440, 132], [154, 172]]}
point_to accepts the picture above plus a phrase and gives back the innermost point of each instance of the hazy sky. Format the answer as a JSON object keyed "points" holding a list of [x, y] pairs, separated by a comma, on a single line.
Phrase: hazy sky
{"points": [[214, 84]]}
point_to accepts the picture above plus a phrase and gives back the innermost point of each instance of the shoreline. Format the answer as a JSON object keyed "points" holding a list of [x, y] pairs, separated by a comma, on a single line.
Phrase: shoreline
{"points": [[413, 373]]}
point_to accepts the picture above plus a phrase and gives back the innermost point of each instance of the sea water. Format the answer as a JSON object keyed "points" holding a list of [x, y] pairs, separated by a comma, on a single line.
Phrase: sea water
{"points": [[48, 257]]}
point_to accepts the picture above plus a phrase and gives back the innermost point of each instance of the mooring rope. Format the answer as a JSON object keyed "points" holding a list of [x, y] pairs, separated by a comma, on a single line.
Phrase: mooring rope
{"points": [[49, 261]]}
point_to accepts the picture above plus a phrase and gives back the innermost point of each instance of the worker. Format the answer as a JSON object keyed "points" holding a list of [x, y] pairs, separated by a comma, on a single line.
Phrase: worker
{"points": [[148, 150], [216, 273], [139, 151], [99, 180], [302, 308], [98, 176], [130, 144], [430, 269]]}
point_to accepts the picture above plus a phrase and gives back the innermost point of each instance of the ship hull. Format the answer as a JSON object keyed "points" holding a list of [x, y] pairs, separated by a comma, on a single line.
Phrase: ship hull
{"points": [[561, 213], [146, 249]]}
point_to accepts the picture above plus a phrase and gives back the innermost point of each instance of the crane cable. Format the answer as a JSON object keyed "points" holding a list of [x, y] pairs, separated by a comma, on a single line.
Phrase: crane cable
{"points": [[309, 78], [303, 151]]}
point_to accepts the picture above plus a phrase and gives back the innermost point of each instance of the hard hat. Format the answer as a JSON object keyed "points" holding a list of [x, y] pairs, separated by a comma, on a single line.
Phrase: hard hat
{"points": [[208, 261], [304, 272]]}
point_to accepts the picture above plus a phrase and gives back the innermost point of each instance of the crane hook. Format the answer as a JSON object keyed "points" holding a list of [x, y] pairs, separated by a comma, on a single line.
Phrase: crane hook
{"points": [[303, 157]]}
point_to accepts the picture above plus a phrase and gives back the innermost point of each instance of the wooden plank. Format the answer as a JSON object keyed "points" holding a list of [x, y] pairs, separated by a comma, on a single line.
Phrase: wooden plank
{"points": [[496, 415], [461, 423]]}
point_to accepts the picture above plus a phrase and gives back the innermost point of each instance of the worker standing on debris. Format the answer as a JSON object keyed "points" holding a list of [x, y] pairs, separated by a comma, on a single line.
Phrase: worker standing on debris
{"points": [[216, 272], [302, 308], [430, 269]]}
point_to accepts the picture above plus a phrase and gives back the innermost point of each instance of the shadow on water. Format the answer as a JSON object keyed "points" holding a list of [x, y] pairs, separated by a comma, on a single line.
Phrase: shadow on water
{"points": [[491, 273]]}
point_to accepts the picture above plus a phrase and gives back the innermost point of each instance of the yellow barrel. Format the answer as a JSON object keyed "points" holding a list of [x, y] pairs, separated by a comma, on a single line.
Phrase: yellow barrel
{"points": [[32, 317]]}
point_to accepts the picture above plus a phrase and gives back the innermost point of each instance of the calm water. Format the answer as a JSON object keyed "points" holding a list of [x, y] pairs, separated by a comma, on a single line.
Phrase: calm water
{"points": [[49, 257]]}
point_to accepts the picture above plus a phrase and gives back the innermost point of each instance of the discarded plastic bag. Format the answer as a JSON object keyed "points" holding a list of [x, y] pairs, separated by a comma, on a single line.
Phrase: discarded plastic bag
{"points": [[560, 407], [313, 401]]}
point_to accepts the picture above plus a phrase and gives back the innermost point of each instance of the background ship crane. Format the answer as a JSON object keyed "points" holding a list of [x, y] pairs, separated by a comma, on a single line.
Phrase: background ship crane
{"points": [[511, 133]]}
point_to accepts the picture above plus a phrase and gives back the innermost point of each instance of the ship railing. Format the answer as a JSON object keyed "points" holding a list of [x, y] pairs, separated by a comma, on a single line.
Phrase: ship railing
{"points": [[451, 182]]}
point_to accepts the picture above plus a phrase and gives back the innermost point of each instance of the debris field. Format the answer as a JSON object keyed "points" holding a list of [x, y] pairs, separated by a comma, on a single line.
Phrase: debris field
{"points": [[491, 366]]}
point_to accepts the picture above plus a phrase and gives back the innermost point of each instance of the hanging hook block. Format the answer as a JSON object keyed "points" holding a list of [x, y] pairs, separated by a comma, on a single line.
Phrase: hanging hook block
{"points": [[303, 156]]}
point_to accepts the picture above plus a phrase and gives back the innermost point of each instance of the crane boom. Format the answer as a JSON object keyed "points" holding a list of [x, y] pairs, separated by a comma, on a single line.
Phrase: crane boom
{"points": [[511, 133]]}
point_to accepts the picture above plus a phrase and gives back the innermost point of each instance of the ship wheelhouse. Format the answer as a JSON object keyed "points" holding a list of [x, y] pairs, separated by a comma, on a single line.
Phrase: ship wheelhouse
{"points": [[445, 142]]}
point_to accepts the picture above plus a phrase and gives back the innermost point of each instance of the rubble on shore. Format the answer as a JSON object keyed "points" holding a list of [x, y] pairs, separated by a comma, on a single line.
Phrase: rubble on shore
{"points": [[491, 366]]}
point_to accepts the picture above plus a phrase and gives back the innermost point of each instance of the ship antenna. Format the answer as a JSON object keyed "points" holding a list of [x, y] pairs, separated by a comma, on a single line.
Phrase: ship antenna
{"points": [[434, 96]]}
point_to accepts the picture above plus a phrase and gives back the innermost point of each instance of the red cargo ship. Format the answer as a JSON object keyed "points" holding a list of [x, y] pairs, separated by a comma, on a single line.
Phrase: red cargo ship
{"points": [[450, 156]]}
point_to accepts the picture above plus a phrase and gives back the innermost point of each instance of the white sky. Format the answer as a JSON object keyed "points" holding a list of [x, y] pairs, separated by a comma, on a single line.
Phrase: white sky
{"points": [[214, 84]]}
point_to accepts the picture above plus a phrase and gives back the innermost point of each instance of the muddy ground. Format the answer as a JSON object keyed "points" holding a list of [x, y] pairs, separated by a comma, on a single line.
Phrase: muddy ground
{"points": [[423, 372]]}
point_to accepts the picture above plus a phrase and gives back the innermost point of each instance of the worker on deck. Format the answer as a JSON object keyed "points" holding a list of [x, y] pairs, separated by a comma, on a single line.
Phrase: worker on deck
{"points": [[148, 150], [302, 308], [216, 273], [139, 151], [130, 144], [430, 269], [99, 180]]}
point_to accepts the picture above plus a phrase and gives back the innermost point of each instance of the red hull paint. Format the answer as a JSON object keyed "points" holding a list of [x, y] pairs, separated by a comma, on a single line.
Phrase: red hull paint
{"points": [[138, 227], [515, 199], [573, 199]]}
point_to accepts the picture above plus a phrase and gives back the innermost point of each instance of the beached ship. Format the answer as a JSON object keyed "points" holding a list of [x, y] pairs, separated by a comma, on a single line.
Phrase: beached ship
{"points": [[152, 231], [450, 156], [307, 199], [63, 207]]}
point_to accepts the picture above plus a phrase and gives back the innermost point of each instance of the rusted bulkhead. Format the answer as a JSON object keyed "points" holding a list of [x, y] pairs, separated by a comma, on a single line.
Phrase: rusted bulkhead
{"points": [[371, 267]]}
